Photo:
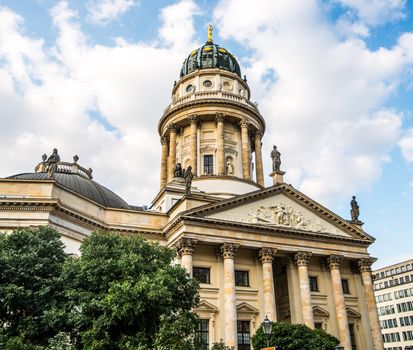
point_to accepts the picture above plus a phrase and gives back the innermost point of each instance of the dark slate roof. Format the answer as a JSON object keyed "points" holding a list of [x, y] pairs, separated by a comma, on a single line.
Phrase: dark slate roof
{"points": [[210, 56], [81, 185]]}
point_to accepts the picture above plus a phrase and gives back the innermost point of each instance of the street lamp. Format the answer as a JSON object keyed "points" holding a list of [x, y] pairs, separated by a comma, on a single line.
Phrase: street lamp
{"points": [[267, 327]]}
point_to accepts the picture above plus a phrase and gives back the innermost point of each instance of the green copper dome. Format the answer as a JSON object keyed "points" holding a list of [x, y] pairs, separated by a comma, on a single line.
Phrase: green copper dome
{"points": [[210, 56]]}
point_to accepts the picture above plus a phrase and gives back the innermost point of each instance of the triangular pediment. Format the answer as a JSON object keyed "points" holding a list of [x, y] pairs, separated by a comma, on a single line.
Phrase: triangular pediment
{"points": [[351, 313], [246, 308], [320, 312], [280, 207], [206, 306]]}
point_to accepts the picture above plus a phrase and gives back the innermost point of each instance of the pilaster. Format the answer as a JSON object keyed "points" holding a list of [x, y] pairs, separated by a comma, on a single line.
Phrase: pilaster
{"points": [[245, 146]]}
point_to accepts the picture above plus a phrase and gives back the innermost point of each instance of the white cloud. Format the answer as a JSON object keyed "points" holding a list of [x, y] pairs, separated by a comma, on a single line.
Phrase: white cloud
{"points": [[406, 145], [177, 23], [326, 109], [105, 11], [374, 12], [49, 97]]}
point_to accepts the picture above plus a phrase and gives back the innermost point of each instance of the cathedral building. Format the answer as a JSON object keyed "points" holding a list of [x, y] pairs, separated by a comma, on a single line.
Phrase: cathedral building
{"points": [[257, 251]]}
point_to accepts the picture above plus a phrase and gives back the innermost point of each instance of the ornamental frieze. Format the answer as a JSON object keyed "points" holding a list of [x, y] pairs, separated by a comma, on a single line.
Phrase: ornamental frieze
{"points": [[284, 215]]}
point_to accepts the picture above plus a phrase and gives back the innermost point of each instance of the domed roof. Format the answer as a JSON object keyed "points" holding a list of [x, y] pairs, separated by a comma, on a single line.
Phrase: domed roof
{"points": [[210, 55], [75, 178], [81, 185]]}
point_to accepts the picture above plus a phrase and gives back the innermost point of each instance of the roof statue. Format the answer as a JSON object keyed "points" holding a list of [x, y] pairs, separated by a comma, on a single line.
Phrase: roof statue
{"points": [[178, 172], [276, 159], [355, 210], [51, 163], [210, 29], [188, 179]]}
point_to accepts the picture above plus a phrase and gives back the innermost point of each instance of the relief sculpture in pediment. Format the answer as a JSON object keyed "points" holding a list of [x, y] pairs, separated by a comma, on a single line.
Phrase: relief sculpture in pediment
{"points": [[282, 214]]}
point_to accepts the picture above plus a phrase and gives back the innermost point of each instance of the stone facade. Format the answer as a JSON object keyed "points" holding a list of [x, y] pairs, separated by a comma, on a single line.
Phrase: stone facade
{"points": [[257, 251]]}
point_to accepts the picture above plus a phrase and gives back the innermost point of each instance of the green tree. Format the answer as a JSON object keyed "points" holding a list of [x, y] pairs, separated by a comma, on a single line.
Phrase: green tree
{"points": [[31, 290], [125, 293], [294, 337]]}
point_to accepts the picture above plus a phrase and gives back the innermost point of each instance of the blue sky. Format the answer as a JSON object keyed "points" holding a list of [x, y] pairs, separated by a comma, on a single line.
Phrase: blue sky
{"points": [[332, 78]]}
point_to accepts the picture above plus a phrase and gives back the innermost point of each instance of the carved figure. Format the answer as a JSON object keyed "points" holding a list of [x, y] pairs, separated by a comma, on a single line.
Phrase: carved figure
{"points": [[51, 163], [230, 168], [276, 159], [355, 209], [188, 180], [210, 29], [178, 170]]}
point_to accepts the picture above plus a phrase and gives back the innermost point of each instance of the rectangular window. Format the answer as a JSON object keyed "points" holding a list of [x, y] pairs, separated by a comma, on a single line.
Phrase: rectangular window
{"points": [[208, 164], [352, 337], [241, 278], [313, 283], [202, 335], [344, 283], [202, 274], [243, 334], [318, 325]]}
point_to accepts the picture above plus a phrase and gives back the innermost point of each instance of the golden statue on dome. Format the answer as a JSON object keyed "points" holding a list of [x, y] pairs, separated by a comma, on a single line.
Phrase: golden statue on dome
{"points": [[210, 29]]}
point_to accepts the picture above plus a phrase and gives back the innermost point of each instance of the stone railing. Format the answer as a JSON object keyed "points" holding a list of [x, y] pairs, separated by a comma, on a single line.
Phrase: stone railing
{"points": [[203, 95], [67, 168]]}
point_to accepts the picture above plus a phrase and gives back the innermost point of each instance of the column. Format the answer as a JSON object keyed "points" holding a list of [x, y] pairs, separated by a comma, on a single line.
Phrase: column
{"points": [[193, 153], [266, 256], [258, 159], [230, 309], [302, 259], [365, 271], [172, 151], [294, 297], [334, 262], [245, 146], [186, 247], [164, 161], [219, 118]]}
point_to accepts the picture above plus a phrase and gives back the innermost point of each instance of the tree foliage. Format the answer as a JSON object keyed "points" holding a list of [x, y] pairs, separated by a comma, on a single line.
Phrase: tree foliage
{"points": [[294, 337], [31, 290], [121, 293]]}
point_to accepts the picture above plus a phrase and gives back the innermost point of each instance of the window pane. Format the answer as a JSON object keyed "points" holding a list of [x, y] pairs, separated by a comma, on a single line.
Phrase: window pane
{"points": [[208, 164], [202, 274], [241, 278]]}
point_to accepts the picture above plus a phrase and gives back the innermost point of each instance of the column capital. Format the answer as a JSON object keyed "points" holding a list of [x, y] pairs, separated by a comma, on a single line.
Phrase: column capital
{"points": [[164, 140], [302, 258], [172, 127], [228, 250], [186, 246], [288, 261], [334, 261], [193, 119], [266, 255], [365, 264], [258, 134], [244, 123], [219, 117]]}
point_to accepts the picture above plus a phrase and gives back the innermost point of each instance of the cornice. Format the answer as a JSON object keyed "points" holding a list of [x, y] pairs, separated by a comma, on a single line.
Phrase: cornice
{"points": [[211, 101]]}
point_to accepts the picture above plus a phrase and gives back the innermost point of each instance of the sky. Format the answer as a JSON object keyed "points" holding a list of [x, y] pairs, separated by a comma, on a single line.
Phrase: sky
{"points": [[332, 78]]}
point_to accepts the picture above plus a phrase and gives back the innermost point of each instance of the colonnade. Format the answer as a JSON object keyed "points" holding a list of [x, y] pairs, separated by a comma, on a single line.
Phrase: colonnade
{"points": [[168, 156], [301, 260]]}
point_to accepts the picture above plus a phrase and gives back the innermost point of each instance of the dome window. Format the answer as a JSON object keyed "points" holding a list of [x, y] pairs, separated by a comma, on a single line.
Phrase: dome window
{"points": [[207, 83], [190, 88]]}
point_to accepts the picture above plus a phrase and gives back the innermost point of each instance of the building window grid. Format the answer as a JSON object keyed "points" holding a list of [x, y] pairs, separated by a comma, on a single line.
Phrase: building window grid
{"points": [[395, 271], [404, 307], [406, 321], [208, 164], [202, 334], [344, 284], [399, 294], [241, 278], [407, 335], [202, 274], [313, 283], [391, 337], [243, 335]]}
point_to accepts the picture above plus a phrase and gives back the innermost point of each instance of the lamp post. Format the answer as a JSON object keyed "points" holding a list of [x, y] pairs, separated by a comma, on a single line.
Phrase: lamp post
{"points": [[267, 327]]}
